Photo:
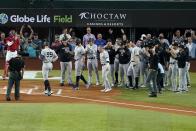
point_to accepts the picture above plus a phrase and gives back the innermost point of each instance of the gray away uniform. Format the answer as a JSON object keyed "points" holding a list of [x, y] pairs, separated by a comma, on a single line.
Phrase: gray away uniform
{"points": [[116, 64], [92, 64], [48, 56], [134, 67], [143, 66], [173, 72], [79, 65], [104, 59]]}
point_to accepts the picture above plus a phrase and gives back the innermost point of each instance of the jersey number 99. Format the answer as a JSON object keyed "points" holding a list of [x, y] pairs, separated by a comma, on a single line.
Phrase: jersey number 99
{"points": [[49, 54]]}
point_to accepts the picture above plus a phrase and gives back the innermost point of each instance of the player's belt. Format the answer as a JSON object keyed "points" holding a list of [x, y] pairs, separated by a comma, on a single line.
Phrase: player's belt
{"points": [[172, 63], [91, 58], [103, 64], [46, 62], [132, 61]]}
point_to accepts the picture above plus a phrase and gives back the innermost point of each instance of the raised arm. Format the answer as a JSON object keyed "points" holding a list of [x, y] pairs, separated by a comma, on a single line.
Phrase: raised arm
{"points": [[32, 32], [21, 31]]}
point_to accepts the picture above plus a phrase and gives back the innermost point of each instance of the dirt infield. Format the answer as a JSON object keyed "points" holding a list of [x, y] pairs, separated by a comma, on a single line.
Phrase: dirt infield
{"points": [[32, 92]]}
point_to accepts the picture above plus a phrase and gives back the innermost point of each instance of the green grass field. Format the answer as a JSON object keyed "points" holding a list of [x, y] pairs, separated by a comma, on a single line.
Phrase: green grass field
{"points": [[96, 117], [88, 117], [168, 97]]}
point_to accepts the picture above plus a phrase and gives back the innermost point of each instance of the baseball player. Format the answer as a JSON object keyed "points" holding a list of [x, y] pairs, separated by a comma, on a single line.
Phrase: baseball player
{"points": [[47, 56], [173, 66], [66, 55], [13, 44], [160, 76], [91, 51], [134, 67], [110, 49], [124, 59], [116, 60], [79, 64], [181, 58], [105, 62], [143, 66]]}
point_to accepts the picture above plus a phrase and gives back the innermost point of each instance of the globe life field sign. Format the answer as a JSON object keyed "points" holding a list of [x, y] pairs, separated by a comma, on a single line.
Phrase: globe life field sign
{"points": [[98, 18]]}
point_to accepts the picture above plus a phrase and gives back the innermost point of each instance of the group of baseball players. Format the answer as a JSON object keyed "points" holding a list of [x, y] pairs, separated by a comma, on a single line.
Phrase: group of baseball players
{"points": [[151, 62]]}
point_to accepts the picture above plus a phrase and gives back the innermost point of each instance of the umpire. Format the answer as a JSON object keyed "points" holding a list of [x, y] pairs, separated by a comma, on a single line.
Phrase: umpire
{"points": [[16, 69]]}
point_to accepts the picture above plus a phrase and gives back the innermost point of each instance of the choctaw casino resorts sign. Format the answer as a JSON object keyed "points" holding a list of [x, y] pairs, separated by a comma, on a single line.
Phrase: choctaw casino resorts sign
{"points": [[98, 17], [63, 17]]}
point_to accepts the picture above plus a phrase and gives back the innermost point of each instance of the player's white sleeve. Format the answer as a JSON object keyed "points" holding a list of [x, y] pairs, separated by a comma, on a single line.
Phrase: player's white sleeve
{"points": [[68, 36], [9, 43]]}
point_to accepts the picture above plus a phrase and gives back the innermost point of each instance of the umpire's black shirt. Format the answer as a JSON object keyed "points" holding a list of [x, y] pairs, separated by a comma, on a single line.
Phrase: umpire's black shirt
{"points": [[111, 53], [65, 53], [153, 61], [16, 64], [124, 55]]}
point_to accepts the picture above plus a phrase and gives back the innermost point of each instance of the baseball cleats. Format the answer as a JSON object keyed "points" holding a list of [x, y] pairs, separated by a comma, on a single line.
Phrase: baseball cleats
{"points": [[46, 92], [97, 83], [62, 84], [87, 86], [108, 90], [103, 90], [152, 94], [8, 99]]}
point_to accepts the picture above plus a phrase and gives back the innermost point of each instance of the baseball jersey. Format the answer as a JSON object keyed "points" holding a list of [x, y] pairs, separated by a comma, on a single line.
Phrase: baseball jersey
{"points": [[79, 52], [143, 56], [173, 60], [104, 57], [49, 55], [116, 47], [91, 51], [13, 44], [62, 36], [135, 55]]}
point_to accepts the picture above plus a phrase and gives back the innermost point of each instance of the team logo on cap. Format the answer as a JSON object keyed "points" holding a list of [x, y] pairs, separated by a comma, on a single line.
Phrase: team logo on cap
{"points": [[3, 18]]}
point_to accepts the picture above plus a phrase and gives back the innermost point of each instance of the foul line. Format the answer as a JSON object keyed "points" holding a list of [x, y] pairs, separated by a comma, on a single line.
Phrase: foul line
{"points": [[129, 104], [59, 92], [30, 91]]}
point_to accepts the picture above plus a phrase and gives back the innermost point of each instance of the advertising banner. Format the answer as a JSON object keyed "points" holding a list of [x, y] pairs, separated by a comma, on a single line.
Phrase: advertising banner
{"points": [[98, 17]]}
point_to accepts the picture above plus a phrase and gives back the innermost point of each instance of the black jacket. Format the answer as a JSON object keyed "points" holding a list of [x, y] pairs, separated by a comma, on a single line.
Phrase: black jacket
{"points": [[153, 61], [181, 57], [111, 53], [124, 55], [65, 53]]}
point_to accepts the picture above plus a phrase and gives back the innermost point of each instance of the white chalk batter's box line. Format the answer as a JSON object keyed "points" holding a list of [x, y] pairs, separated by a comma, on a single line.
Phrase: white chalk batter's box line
{"points": [[59, 92]]}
